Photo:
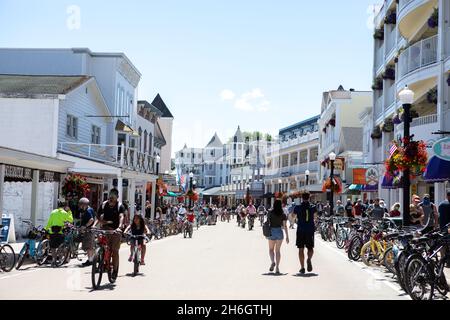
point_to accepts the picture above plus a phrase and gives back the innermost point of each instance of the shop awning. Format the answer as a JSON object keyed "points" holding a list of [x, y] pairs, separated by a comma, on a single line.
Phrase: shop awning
{"points": [[216, 191], [314, 188], [370, 188], [438, 170], [355, 187], [122, 126], [388, 182]]}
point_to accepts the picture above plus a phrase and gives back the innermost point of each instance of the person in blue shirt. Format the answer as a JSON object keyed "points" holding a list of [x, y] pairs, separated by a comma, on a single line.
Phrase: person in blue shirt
{"points": [[305, 231], [87, 219]]}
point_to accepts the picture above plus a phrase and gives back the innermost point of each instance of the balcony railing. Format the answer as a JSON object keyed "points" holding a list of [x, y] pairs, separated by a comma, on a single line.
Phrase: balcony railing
{"points": [[390, 95], [390, 41], [118, 156], [421, 121], [403, 3], [418, 55], [299, 140], [378, 110], [379, 57]]}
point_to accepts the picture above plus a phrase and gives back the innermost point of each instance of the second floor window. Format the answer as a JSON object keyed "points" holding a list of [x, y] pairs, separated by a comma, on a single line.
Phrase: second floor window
{"points": [[95, 135], [72, 126]]}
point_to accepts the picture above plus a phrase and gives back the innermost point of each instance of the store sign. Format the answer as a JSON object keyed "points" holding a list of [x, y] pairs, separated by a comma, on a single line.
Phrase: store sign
{"points": [[372, 176], [18, 173], [48, 176], [339, 164], [442, 149], [4, 235], [359, 176]]}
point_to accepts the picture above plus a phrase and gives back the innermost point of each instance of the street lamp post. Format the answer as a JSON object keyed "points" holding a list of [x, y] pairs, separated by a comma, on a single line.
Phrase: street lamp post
{"points": [[248, 194], [279, 185], [307, 177], [191, 177], [407, 98], [332, 157], [158, 160]]}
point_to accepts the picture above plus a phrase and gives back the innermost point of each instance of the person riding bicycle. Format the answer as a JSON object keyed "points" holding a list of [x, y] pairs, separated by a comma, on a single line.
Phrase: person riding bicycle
{"points": [[111, 217], [251, 210], [87, 219], [55, 225], [137, 228]]}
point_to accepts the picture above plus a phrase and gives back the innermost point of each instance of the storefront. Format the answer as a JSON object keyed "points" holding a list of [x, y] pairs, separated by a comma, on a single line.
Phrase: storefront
{"points": [[29, 186]]}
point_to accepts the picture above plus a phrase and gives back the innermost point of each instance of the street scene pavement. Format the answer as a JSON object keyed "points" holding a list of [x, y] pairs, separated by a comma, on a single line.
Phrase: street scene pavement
{"points": [[219, 262]]}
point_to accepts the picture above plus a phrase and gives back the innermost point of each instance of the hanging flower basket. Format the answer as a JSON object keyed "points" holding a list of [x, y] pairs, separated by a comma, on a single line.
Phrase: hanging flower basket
{"points": [[377, 84], [324, 130], [433, 21], [376, 133], [389, 74], [75, 186], [391, 18], [412, 155], [379, 34], [388, 126], [332, 122], [397, 181], [396, 119], [335, 187]]}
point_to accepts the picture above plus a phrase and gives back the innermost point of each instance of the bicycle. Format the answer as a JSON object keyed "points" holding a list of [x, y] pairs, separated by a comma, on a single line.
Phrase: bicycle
{"points": [[102, 261], [137, 252], [187, 229], [69, 249], [7, 256], [29, 250]]}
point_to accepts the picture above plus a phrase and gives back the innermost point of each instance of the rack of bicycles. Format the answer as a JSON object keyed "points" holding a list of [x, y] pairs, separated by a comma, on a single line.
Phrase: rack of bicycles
{"points": [[416, 257]]}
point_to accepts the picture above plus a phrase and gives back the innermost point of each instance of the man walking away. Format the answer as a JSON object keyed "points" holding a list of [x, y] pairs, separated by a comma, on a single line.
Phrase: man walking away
{"points": [[87, 215], [305, 231]]}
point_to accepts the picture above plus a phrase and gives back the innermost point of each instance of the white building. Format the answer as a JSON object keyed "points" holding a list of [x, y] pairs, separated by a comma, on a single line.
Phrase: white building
{"points": [[293, 156], [340, 132], [411, 47]]}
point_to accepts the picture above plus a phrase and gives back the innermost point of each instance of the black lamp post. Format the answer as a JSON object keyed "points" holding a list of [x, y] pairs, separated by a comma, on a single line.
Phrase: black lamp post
{"points": [[307, 173], [248, 195], [332, 157], [407, 98], [279, 185], [191, 177]]}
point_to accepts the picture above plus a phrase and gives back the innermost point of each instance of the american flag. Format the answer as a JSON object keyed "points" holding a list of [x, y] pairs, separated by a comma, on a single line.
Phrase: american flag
{"points": [[392, 149]]}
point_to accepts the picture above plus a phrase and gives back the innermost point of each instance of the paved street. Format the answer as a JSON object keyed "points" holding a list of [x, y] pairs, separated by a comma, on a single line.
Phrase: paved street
{"points": [[220, 262]]}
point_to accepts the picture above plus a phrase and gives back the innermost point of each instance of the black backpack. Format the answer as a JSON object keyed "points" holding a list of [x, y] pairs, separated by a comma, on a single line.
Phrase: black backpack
{"points": [[267, 230]]}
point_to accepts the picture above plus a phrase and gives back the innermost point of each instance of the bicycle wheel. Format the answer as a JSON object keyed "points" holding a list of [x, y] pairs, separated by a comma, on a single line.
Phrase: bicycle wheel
{"points": [[419, 283], [97, 269], [136, 262], [7, 258], [389, 259], [367, 255], [341, 235], [22, 255], [42, 252], [62, 254], [354, 250], [400, 265]]}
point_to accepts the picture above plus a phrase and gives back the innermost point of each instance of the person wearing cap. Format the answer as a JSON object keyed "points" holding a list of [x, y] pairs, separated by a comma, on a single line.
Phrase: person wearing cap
{"points": [[430, 217], [87, 219], [416, 211], [56, 222]]}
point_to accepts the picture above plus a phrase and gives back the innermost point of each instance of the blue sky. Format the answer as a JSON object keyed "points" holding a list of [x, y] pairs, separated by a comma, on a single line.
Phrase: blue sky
{"points": [[260, 64]]}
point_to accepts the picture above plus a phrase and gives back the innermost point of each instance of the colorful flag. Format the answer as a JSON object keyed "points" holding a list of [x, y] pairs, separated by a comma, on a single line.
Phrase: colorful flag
{"points": [[392, 150]]}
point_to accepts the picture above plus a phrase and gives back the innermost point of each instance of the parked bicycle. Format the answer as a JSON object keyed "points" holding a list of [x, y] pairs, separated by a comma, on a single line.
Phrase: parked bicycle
{"points": [[29, 250], [7, 256]]}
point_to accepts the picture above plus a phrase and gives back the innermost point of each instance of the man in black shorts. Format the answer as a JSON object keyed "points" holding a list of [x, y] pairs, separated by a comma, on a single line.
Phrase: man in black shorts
{"points": [[305, 231]]}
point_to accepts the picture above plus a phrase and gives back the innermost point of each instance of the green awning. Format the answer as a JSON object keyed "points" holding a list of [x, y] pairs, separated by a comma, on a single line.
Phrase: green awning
{"points": [[172, 194]]}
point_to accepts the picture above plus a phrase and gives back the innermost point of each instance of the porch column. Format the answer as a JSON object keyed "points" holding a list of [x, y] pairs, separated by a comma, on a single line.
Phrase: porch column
{"points": [[131, 196], [439, 193], [144, 198], [2, 181], [153, 200], [120, 187], [34, 196]]}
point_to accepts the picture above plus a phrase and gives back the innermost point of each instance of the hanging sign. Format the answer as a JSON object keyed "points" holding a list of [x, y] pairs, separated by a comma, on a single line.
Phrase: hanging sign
{"points": [[442, 149], [372, 176], [359, 176]]}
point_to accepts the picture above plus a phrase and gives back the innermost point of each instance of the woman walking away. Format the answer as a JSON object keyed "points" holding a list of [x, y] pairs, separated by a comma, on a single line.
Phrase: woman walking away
{"points": [[277, 220]]}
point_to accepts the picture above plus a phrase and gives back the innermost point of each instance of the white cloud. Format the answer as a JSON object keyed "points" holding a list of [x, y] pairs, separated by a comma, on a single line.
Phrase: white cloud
{"points": [[253, 100], [227, 95]]}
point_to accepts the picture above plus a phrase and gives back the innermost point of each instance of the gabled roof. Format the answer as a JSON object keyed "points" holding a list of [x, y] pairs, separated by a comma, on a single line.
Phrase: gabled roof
{"points": [[28, 86], [159, 103], [350, 139], [151, 107], [238, 135], [215, 142]]}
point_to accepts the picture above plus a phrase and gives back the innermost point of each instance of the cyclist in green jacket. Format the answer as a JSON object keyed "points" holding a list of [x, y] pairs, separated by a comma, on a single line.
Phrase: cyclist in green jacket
{"points": [[56, 222]]}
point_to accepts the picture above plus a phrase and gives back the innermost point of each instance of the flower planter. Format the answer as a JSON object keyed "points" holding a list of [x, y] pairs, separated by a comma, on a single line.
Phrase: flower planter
{"points": [[391, 18], [433, 21], [396, 119], [388, 126], [389, 74]]}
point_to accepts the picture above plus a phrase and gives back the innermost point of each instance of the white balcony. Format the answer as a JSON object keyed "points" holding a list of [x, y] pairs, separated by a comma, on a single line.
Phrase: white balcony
{"points": [[422, 128], [118, 156], [378, 109], [390, 95], [379, 58], [299, 140], [419, 55], [390, 40]]}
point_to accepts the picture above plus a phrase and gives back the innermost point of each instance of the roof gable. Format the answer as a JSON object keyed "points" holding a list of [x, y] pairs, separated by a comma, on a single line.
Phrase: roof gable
{"points": [[215, 142], [160, 104]]}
